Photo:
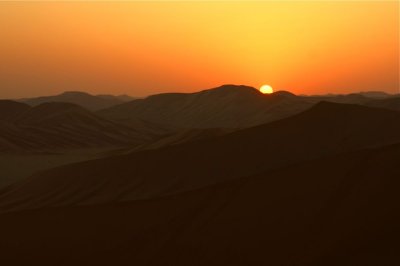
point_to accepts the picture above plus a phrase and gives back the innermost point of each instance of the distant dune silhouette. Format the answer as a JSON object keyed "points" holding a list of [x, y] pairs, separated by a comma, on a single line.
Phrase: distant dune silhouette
{"points": [[123, 97], [376, 94], [86, 100], [228, 106]]}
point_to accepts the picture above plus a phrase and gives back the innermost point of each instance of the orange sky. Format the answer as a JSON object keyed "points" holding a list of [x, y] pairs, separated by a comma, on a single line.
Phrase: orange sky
{"points": [[142, 48]]}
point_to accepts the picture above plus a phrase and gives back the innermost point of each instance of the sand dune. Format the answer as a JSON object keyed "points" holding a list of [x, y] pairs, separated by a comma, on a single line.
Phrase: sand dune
{"points": [[228, 106], [177, 138], [339, 210], [317, 188], [15, 167], [63, 126], [392, 103], [10, 109], [86, 100], [324, 130]]}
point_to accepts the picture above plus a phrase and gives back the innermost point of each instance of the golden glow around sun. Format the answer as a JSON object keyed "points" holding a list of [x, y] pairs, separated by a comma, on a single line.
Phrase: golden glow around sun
{"points": [[266, 89]]}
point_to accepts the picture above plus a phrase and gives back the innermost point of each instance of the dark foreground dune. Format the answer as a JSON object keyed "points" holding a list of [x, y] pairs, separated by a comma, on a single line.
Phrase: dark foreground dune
{"points": [[318, 188], [340, 210]]}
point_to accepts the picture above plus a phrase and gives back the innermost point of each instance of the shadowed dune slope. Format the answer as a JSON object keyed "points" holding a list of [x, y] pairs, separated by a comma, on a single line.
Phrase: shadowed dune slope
{"points": [[336, 211], [324, 130], [389, 103], [177, 138], [10, 109], [57, 126]]}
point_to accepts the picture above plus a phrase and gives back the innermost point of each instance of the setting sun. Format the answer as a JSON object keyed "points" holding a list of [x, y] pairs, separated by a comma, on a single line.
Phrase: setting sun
{"points": [[266, 89]]}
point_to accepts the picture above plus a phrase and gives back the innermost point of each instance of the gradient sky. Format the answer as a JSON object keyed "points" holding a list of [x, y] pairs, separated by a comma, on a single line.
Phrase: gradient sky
{"points": [[142, 48]]}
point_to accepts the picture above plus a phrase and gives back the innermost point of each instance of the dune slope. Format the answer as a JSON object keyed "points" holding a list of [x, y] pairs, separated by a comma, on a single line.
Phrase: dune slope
{"points": [[324, 130], [228, 106], [86, 100], [63, 126], [340, 210]]}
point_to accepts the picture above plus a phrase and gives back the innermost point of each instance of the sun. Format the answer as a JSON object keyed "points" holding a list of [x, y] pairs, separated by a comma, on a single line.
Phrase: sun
{"points": [[266, 89]]}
